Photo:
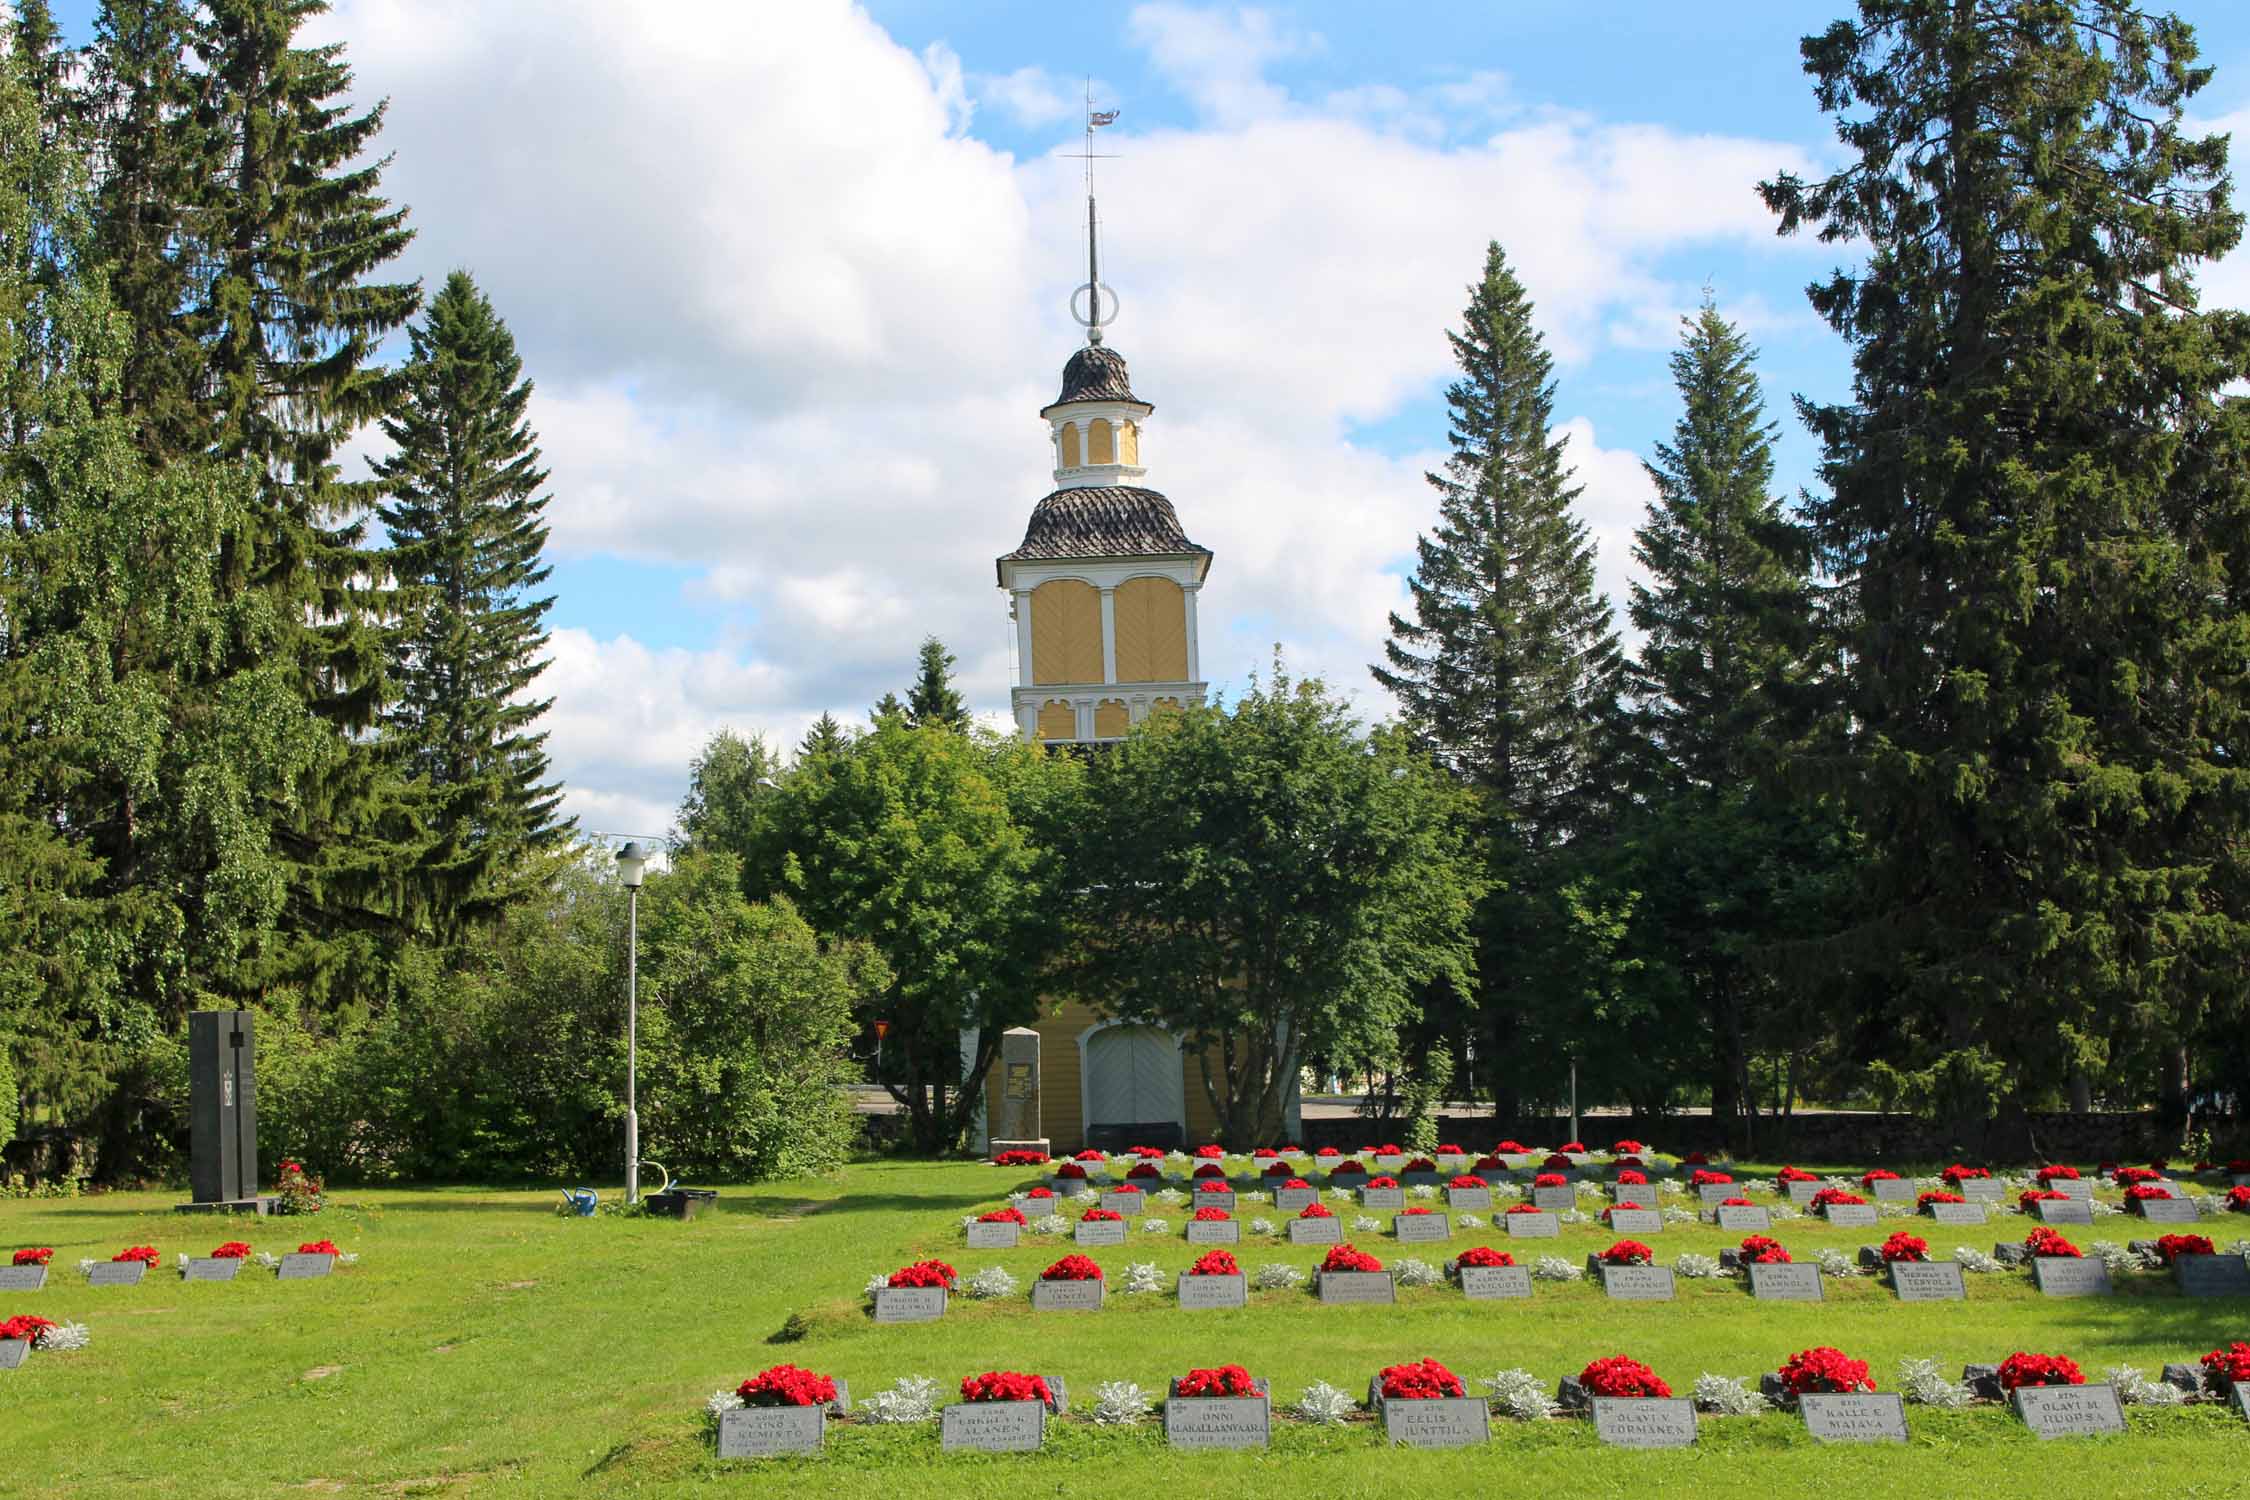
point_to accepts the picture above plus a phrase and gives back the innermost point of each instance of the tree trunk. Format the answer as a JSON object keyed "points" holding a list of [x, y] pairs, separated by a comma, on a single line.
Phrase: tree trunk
{"points": [[2081, 1094], [2172, 1095]]}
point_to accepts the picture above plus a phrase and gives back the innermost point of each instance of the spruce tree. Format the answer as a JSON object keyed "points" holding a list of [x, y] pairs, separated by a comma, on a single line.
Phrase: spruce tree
{"points": [[465, 521], [826, 737], [933, 701], [2035, 518]]}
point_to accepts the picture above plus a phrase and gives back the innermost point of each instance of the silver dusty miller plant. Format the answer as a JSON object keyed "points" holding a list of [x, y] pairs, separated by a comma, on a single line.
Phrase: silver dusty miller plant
{"points": [[1155, 1226], [1728, 1396], [912, 1399], [991, 1282], [1924, 1384], [2135, 1389], [1119, 1403], [1520, 1394], [1555, 1268], [1414, 1271], [1143, 1276], [1973, 1259], [1695, 1267], [1278, 1276], [1323, 1404], [1046, 1224]]}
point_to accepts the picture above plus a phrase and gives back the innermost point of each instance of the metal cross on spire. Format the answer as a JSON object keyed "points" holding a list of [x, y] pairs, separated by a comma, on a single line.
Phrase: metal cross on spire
{"points": [[1094, 319]]}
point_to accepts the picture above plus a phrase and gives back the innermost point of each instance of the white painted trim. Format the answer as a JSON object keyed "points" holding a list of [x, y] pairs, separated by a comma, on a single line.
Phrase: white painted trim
{"points": [[1086, 1093], [1109, 635], [1021, 598], [1194, 642]]}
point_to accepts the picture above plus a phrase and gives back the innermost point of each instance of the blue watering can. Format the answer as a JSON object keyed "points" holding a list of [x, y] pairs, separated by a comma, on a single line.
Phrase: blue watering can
{"points": [[582, 1201]]}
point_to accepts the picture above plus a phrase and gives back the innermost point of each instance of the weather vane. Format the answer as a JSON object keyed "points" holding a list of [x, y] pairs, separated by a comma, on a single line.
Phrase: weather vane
{"points": [[1094, 319]]}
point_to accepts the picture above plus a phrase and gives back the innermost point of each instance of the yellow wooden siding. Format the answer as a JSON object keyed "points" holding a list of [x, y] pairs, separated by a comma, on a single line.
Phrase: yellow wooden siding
{"points": [[1129, 444], [1061, 1088], [1101, 442], [1066, 632], [1070, 445], [1058, 721], [1111, 720], [1163, 706], [1151, 618]]}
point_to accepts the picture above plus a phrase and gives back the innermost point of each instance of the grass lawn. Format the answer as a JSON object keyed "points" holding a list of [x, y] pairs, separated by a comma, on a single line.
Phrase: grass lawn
{"points": [[485, 1345]]}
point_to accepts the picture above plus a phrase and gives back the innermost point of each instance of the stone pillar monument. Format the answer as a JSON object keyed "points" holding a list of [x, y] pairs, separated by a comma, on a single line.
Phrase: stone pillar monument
{"points": [[1015, 1113], [222, 1111]]}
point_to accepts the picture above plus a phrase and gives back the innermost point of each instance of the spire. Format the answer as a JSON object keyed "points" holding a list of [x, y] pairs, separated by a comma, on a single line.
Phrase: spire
{"points": [[1094, 319]]}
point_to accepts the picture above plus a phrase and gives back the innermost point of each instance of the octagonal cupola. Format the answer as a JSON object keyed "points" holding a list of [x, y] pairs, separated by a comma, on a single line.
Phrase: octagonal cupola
{"points": [[1095, 424]]}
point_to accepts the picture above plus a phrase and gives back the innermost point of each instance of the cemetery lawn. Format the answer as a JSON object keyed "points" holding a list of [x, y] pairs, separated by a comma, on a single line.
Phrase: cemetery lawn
{"points": [[484, 1344]]}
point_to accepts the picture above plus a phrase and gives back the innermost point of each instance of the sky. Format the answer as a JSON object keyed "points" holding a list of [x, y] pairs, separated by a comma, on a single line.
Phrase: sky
{"points": [[791, 278]]}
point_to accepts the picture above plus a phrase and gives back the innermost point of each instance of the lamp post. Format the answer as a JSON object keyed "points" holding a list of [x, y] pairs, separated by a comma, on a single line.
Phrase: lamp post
{"points": [[632, 861]]}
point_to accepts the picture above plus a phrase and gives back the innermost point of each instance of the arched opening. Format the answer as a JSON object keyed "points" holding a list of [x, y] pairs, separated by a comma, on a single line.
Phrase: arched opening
{"points": [[1101, 442], [1111, 720], [1151, 631], [1130, 1076], [1070, 445], [1058, 721], [1129, 444], [1066, 632]]}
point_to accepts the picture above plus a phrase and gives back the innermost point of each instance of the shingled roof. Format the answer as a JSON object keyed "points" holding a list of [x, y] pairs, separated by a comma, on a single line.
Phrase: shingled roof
{"points": [[1095, 373], [1104, 520]]}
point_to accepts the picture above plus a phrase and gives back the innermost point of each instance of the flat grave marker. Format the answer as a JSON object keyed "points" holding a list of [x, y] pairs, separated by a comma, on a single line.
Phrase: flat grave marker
{"points": [[1644, 1421], [12, 1353], [1389, 1200], [2242, 1399], [1852, 1215], [1100, 1232], [2212, 1275], [1211, 1200], [1328, 1231], [1064, 1187], [1214, 1231], [2073, 1187], [1198, 1292], [909, 1304], [1496, 1283], [1554, 1199], [2057, 1411], [1785, 1282], [1858, 1417], [763, 1431], [1469, 1200], [1446, 1422], [117, 1273], [1928, 1281], [1958, 1213], [2065, 1210], [1294, 1200], [2070, 1276], [1538, 1226], [1066, 1296], [1890, 1190], [1422, 1229], [1340, 1287], [1453, 1163], [1118, 1203], [1635, 1221], [1633, 1195], [1983, 1189], [993, 1426], [1638, 1283], [1800, 1193], [994, 1236], [1712, 1194], [2170, 1211], [207, 1268], [1739, 1220], [23, 1278], [1218, 1421]]}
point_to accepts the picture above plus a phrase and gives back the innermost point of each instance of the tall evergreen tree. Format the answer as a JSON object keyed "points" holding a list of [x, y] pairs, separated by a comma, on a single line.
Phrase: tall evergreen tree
{"points": [[2036, 517], [933, 700], [465, 520], [826, 737], [726, 784]]}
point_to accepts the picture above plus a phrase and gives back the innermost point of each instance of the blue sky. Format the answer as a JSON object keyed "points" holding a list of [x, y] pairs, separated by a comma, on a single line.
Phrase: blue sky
{"points": [[790, 278]]}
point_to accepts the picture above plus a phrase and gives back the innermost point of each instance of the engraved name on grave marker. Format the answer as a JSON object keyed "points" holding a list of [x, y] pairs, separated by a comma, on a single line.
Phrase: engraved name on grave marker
{"points": [[909, 1304], [2065, 1210], [2057, 1411], [1066, 1296], [1554, 1198], [1644, 1421], [23, 1278], [2070, 1276], [1539, 1226], [1927, 1281], [2212, 1275], [2169, 1211], [1447, 1422], [1858, 1417], [1852, 1215], [1495, 1283], [1786, 1282], [1422, 1229], [1213, 1291], [1100, 1232], [117, 1273], [1389, 1199], [1469, 1200], [763, 1431], [1218, 1421], [1635, 1221], [1957, 1213], [1638, 1283], [994, 1236], [212, 1269], [993, 1426], [1328, 1231], [1357, 1286], [1740, 1220]]}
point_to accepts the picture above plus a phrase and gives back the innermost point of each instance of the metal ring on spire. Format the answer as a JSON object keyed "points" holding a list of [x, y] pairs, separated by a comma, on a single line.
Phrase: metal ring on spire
{"points": [[1092, 320]]}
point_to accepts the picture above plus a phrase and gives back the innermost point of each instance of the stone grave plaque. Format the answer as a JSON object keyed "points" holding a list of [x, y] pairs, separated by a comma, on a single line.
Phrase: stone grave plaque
{"points": [[1357, 1286], [1635, 1221], [1516, 1161], [1213, 1291], [1644, 1421], [2072, 1187], [1294, 1200], [1496, 1283], [1218, 1421], [1100, 1232], [1421, 1179], [1446, 1422], [1390, 1200], [2212, 1275], [993, 1426], [1579, 1158], [1554, 1199], [1066, 1296], [1063, 1187], [1740, 1220], [1422, 1229], [1633, 1195], [1860, 1417], [2170, 1211], [1388, 1161], [23, 1278], [2065, 1210], [2242, 1400], [1469, 1200], [1453, 1163], [12, 1352], [1785, 1282], [210, 1269], [1210, 1200], [909, 1304], [1800, 1193], [1957, 1213], [2070, 1276], [1539, 1226], [1928, 1280], [1890, 1190], [1328, 1231], [1853, 1215], [994, 1236], [763, 1431], [1116, 1203], [1638, 1283], [1214, 1231], [2055, 1411], [1983, 1190], [117, 1273], [1711, 1194]]}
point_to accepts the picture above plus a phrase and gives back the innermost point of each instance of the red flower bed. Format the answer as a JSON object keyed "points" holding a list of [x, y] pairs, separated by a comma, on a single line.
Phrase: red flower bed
{"points": [[1575, 1148], [2173, 1246], [1208, 1171], [1382, 1182], [1279, 1169], [1004, 1385], [1557, 1161], [39, 1257], [231, 1250], [1215, 1263], [1628, 1253], [1349, 1258], [1631, 1178], [319, 1247], [1070, 1171], [1736, 1203], [1627, 1148], [1958, 1174], [1904, 1246], [1446, 1149], [1040, 1192], [1764, 1250], [1146, 1153], [1491, 1164], [1346, 1169], [2019, 1370], [145, 1254], [1550, 1179], [1145, 1171], [1213, 1187], [1471, 1180], [1703, 1177], [1211, 1214], [1868, 1180], [26, 1326], [2238, 1199], [1017, 1158], [1795, 1174], [1485, 1255], [2140, 1193], [1414, 1208], [1819, 1370], [2127, 1176], [786, 1385], [2047, 1242], [1264, 1153], [1316, 1210], [2224, 1368], [1090, 1156], [1827, 1196], [1388, 1148], [1002, 1216], [1100, 1216], [1694, 1159], [1924, 1200], [1072, 1268], [2029, 1196], [925, 1273], [1328, 1151], [1509, 1148], [1423, 1380], [1631, 1161], [1420, 1164], [1211, 1153], [2238, 1168], [1620, 1376], [1127, 1187], [1524, 1208], [1296, 1182], [2056, 1172], [1227, 1380]]}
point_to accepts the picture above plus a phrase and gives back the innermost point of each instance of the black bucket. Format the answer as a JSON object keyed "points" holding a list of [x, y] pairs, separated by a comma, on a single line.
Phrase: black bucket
{"points": [[680, 1202]]}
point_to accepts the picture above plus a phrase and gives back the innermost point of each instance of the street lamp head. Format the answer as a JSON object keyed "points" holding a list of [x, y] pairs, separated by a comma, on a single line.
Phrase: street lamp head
{"points": [[632, 860], [769, 783]]}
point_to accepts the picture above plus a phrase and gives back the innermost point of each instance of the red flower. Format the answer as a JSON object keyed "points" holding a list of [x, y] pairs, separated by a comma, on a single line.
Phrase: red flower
{"points": [[1794, 1174], [1445, 1150], [1412, 1209], [1926, 1199], [1627, 1148], [27, 1326], [2224, 1368], [1620, 1376], [1211, 1152], [1213, 1187], [1147, 1153], [2047, 1242], [1509, 1148], [1470, 1180], [1346, 1169], [1296, 1182], [1002, 1216], [231, 1250], [1212, 1215], [1144, 1171], [145, 1254], [1630, 1178], [1316, 1210], [2238, 1199], [1420, 1164], [1550, 1179], [786, 1385], [1349, 1258], [1382, 1182], [1491, 1164], [1090, 1155], [1631, 1161], [1040, 1192], [1827, 1196], [1279, 1169], [1736, 1203], [1390, 1148], [2127, 1176], [1694, 1159], [319, 1247], [2140, 1193], [2173, 1246], [1524, 1208], [1125, 1187], [1328, 1151], [1264, 1153], [924, 1273], [1226, 1380], [2029, 1196], [1004, 1385], [1017, 1158], [1100, 1216], [1575, 1148], [2019, 1370], [1868, 1180], [1822, 1369], [1070, 1171], [1209, 1170], [2056, 1173], [1628, 1253], [1485, 1255], [1958, 1174], [38, 1257], [1215, 1263], [1423, 1380], [1557, 1161], [1904, 1246], [1764, 1250], [1702, 1177], [1072, 1268]]}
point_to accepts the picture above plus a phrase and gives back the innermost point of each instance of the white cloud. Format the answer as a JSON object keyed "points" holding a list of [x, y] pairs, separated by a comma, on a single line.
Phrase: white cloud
{"points": [[1029, 96], [1216, 59]]}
